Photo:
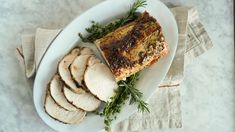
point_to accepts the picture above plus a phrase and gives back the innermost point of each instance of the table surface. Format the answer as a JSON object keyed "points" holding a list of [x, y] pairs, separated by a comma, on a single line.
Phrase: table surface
{"points": [[208, 96]]}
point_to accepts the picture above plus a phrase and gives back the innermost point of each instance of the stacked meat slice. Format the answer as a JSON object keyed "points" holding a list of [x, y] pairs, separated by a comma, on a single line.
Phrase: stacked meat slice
{"points": [[80, 85]]}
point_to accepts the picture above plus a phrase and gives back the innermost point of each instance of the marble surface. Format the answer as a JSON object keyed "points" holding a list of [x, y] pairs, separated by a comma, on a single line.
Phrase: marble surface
{"points": [[208, 95]]}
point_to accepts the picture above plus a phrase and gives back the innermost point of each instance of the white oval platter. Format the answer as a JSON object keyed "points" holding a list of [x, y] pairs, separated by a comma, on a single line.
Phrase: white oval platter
{"points": [[68, 38]]}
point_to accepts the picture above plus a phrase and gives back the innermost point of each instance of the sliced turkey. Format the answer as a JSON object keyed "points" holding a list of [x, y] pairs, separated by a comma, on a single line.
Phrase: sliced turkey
{"points": [[82, 99], [100, 81], [78, 68], [61, 114], [93, 60], [86, 51], [63, 68], [56, 91]]}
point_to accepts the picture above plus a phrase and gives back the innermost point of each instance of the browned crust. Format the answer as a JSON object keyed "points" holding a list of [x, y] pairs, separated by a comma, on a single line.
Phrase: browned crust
{"points": [[113, 48]]}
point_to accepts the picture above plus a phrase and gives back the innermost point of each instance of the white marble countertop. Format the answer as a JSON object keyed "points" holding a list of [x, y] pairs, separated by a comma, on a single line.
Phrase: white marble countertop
{"points": [[208, 95]]}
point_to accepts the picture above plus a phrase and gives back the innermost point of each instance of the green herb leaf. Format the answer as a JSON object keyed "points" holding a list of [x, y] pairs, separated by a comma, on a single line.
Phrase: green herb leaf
{"points": [[98, 30], [126, 89]]}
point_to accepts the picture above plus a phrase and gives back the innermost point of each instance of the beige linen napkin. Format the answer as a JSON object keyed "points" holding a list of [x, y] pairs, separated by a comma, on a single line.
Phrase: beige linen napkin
{"points": [[165, 104]]}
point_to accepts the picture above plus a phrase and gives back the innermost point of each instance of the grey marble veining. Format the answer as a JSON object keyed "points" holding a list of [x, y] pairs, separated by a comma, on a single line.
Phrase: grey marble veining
{"points": [[208, 96]]}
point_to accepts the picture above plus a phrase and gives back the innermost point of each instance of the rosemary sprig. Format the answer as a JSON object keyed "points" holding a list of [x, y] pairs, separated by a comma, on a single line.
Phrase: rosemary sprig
{"points": [[114, 106], [98, 30], [126, 89], [135, 94]]}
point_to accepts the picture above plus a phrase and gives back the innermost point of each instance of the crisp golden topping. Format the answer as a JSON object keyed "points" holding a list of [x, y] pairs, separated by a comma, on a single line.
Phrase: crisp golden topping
{"points": [[133, 46]]}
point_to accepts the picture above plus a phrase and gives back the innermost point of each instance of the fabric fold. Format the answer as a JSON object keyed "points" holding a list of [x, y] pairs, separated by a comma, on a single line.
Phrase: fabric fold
{"points": [[198, 41], [28, 52], [43, 39]]}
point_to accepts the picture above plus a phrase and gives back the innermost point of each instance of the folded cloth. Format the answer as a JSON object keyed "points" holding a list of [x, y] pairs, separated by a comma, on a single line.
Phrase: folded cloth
{"points": [[165, 103]]}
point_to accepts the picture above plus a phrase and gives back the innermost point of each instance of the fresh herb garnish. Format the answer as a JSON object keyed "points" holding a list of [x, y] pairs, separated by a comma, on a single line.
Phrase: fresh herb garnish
{"points": [[98, 30], [136, 95], [126, 88]]}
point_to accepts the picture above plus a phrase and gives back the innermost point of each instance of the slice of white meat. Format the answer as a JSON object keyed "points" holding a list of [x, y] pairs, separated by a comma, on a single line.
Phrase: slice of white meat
{"points": [[63, 68], [100, 81], [82, 99], [93, 60], [78, 68], [86, 51], [56, 91], [61, 114]]}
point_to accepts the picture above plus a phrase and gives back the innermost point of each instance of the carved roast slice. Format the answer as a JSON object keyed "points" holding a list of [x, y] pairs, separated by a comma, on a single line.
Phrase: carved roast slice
{"points": [[63, 68], [93, 60], [86, 51], [61, 114], [82, 99], [100, 81], [56, 91], [78, 68]]}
